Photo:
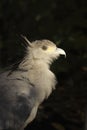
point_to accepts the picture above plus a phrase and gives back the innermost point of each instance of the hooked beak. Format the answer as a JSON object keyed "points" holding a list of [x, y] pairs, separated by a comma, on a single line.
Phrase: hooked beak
{"points": [[61, 51]]}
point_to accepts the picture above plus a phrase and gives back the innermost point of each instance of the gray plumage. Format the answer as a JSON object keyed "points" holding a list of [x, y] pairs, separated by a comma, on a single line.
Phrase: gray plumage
{"points": [[23, 89]]}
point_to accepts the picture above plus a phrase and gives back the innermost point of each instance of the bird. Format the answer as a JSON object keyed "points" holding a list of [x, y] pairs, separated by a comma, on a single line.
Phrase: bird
{"points": [[24, 88]]}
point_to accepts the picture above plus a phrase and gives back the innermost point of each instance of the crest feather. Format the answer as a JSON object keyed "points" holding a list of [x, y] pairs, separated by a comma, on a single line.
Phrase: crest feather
{"points": [[27, 41]]}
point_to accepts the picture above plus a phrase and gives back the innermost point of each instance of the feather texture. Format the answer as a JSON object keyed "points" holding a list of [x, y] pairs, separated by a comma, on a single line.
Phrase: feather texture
{"points": [[23, 89]]}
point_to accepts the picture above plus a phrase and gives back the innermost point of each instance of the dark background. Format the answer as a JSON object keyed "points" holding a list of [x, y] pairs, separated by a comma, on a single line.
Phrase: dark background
{"points": [[65, 23]]}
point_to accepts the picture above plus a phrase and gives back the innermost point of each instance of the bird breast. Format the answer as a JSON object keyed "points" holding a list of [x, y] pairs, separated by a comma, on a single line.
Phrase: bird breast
{"points": [[44, 81]]}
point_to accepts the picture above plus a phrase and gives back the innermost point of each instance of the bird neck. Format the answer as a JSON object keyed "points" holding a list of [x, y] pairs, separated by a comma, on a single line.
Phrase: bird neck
{"points": [[40, 75], [33, 63]]}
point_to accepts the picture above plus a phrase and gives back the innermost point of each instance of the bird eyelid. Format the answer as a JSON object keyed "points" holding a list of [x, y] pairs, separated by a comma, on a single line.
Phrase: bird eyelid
{"points": [[44, 47]]}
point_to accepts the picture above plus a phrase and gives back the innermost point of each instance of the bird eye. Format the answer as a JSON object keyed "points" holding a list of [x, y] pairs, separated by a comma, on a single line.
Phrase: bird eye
{"points": [[44, 47]]}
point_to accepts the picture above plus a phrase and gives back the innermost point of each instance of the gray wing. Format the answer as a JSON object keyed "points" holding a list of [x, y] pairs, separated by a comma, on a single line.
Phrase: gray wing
{"points": [[16, 102]]}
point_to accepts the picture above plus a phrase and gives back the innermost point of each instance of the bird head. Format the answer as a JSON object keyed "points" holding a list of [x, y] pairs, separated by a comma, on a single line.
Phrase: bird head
{"points": [[44, 50]]}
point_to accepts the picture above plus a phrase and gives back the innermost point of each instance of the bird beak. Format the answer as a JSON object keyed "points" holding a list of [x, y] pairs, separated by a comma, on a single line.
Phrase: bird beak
{"points": [[61, 51]]}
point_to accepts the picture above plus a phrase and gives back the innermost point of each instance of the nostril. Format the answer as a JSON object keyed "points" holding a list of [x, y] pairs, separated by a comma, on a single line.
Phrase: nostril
{"points": [[56, 48]]}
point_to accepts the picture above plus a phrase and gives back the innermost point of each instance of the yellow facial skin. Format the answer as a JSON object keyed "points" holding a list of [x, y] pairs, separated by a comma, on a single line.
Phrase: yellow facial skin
{"points": [[51, 49]]}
